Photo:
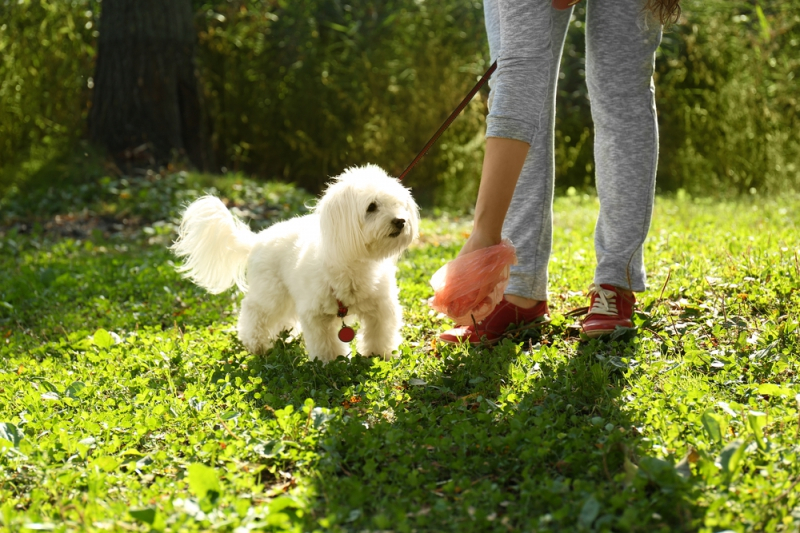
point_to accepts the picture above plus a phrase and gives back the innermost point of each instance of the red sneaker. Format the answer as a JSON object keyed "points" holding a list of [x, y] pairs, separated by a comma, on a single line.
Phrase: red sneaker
{"points": [[564, 4], [609, 308], [491, 329]]}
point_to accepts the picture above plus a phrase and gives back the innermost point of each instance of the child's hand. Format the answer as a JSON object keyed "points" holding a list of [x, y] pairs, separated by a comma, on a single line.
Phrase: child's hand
{"points": [[476, 241]]}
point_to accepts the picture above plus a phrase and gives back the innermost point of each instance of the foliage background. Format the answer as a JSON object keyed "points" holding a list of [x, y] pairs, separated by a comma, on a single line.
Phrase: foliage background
{"points": [[300, 90]]}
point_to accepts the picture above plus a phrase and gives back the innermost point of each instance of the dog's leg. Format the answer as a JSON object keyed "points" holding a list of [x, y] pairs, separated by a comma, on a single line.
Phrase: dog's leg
{"points": [[260, 321], [320, 335], [380, 331]]}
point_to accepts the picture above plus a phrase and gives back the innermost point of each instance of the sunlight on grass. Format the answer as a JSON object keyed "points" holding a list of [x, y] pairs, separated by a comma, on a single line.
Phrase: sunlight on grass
{"points": [[126, 402]]}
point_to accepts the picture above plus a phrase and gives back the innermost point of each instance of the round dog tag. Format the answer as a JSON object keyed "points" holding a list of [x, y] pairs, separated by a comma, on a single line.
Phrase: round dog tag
{"points": [[346, 334]]}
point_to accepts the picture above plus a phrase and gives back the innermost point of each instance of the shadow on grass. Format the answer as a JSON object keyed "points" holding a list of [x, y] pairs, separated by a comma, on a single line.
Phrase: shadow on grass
{"points": [[50, 288], [494, 439], [62, 166], [517, 437]]}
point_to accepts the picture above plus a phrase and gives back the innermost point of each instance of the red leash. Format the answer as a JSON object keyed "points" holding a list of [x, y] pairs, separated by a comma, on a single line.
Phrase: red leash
{"points": [[450, 119], [346, 333]]}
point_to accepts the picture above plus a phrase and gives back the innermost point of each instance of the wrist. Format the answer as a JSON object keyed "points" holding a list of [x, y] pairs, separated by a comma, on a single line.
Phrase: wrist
{"points": [[485, 238], [478, 240]]}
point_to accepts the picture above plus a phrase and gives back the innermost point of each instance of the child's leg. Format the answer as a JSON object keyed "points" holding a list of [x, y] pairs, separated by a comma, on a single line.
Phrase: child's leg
{"points": [[621, 41], [522, 107]]}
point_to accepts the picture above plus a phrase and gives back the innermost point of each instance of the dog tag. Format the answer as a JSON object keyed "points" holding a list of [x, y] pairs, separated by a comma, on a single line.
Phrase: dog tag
{"points": [[347, 334]]}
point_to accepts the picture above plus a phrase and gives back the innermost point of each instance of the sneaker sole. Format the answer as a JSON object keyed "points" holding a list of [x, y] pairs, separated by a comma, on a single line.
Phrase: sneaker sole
{"points": [[597, 333], [594, 334], [492, 342]]}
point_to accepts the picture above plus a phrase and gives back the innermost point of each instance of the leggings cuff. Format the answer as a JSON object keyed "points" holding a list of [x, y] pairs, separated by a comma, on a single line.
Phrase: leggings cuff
{"points": [[509, 128]]}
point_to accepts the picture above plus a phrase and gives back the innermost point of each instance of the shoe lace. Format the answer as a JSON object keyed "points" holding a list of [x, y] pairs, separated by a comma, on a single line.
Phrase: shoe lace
{"points": [[605, 303]]}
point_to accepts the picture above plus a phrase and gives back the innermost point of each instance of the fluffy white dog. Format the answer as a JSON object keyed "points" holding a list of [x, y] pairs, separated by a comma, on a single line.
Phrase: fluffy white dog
{"points": [[298, 273]]}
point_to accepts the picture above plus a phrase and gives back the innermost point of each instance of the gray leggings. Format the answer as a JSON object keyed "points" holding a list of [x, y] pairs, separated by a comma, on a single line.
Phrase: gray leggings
{"points": [[526, 37]]}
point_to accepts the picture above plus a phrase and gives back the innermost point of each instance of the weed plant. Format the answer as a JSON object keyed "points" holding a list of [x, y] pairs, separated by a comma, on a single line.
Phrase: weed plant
{"points": [[126, 402], [300, 90]]}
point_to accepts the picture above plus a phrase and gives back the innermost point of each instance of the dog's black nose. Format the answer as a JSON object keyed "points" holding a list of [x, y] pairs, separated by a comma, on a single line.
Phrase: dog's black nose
{"points": [[399, 223]]}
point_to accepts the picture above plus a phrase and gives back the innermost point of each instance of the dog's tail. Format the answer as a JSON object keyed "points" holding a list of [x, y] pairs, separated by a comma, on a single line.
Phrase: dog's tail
{"points": [[215, 246]]}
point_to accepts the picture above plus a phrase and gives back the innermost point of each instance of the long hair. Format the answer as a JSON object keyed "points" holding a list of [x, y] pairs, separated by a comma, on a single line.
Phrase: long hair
{"points": [[215, 246], [667, 11]]}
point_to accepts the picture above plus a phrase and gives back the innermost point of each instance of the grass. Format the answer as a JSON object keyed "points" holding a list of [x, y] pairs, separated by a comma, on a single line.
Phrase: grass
{"points": [[126, 402]]}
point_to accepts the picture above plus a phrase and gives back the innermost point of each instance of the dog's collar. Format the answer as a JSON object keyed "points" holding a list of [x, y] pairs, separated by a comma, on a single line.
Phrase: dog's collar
{"points": [[346, 334]]}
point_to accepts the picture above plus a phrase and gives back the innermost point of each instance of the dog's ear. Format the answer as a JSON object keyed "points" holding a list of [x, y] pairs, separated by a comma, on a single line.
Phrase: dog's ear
{"points": [[413, 210], [340, 225]]}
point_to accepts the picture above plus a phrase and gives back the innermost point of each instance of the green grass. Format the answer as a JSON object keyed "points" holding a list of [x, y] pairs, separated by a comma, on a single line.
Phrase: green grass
{"points": [[126, 402]]}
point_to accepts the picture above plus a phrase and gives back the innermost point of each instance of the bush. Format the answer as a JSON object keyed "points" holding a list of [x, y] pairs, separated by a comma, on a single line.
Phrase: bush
{"points": [[46, 62], [301, 90], [728, 101], [726, 96]]}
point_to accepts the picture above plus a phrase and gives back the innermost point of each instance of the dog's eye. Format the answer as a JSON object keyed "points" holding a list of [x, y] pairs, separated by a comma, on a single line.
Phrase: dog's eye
{"points": [[372, 207]]}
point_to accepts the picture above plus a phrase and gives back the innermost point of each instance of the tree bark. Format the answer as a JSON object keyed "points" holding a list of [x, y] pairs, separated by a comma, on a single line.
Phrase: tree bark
{"points": [[146, 102]]}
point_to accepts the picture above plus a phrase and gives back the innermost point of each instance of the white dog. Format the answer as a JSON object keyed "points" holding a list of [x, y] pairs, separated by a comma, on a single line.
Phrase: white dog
{"points": [[304, 273]]}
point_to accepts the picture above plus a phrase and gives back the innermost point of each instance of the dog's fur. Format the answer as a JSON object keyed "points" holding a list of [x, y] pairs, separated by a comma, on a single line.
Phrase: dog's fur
{"points": [[294, 272]]}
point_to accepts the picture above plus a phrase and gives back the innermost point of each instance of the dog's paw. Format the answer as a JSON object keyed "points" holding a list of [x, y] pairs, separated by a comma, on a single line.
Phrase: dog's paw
{"points": [[388, 356], [387, 353], [325, 359], [256, 346]]}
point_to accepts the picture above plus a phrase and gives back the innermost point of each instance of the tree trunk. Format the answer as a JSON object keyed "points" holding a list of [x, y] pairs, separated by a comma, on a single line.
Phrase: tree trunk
{"points": [[146, 103]]}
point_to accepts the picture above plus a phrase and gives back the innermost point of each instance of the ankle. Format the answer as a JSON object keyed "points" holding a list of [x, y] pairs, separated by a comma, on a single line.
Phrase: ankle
{"points": [[519, 301], [627, 293]]}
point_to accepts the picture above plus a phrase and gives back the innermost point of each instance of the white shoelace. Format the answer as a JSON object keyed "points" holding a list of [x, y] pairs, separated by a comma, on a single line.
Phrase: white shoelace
{"points": [[605, 303]]}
